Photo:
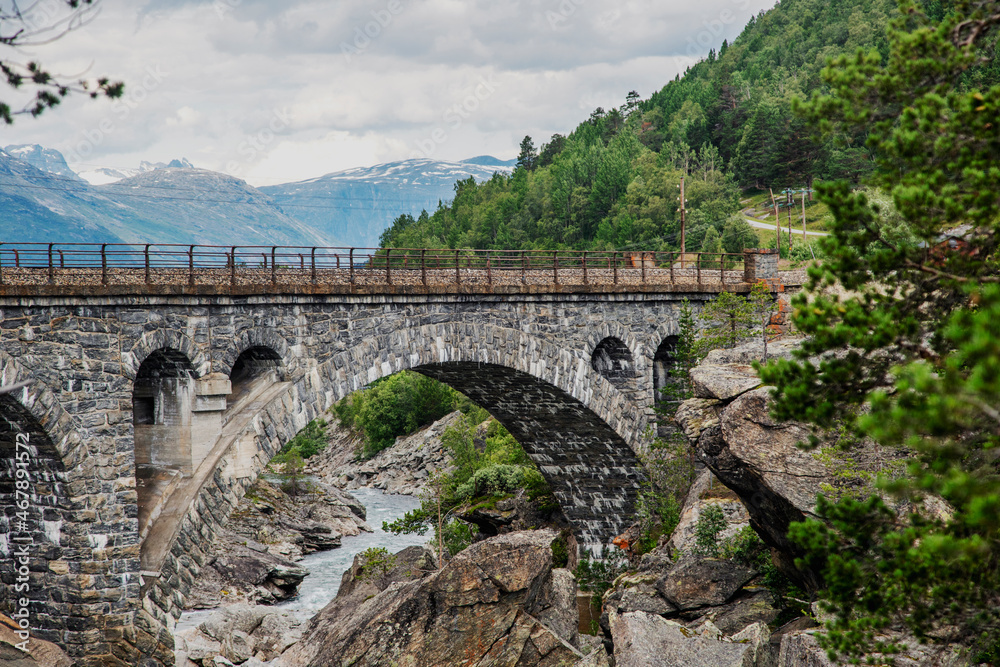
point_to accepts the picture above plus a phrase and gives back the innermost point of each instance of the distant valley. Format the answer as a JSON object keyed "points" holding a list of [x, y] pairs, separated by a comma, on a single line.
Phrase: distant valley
{"points": [[42, 200]]}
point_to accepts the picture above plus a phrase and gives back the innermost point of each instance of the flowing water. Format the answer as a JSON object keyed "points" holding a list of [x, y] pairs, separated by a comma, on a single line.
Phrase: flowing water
{"points": [[327, 567]]}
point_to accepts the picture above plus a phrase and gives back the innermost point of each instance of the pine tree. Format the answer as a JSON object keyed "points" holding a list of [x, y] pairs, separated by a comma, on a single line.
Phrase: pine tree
{"points": [[917, 339]]}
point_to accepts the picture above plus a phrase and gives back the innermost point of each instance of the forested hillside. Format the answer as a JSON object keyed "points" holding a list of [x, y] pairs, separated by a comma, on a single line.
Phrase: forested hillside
{"points": [[727, 124]]}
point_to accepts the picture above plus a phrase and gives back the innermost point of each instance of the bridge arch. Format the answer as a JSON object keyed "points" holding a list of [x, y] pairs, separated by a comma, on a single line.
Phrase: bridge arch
{"points": [[613, 359], [161, 339], [256, 337], [61, 523]]}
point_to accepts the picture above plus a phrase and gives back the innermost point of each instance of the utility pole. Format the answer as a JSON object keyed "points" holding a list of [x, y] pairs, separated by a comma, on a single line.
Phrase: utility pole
{"points": [[777, 220], [683, 224]]}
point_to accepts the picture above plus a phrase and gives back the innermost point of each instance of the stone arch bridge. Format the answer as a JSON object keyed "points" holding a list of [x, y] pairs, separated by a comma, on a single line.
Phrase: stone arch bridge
{"points": [[152, 406]]}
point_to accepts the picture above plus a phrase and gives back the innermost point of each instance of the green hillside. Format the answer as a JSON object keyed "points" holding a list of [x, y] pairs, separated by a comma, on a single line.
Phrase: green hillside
{"points": [[727, 126]]}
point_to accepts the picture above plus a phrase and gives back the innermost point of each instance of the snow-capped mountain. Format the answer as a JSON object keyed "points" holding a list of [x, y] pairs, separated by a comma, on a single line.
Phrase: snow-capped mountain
{"points": [[105, 175], [44, 159], [356, 205], [42, 199]]}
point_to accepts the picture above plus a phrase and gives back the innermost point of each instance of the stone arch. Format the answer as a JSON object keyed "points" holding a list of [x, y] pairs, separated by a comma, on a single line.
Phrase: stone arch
{"points": [[613, 359], [611, 329], [254, 338], [596, 476], [160, 339], [65, 529]]}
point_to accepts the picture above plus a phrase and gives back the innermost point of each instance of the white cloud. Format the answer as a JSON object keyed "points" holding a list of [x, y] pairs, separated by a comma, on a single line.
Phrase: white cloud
{"points": [[277, 89]]}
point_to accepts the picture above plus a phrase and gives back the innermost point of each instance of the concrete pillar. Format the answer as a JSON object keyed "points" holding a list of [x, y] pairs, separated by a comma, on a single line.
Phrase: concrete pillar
{"points": [[163, 424], [210, 394]]}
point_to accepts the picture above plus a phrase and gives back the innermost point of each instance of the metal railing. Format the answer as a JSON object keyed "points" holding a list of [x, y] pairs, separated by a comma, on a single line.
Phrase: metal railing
{"points": [[172, 264]]}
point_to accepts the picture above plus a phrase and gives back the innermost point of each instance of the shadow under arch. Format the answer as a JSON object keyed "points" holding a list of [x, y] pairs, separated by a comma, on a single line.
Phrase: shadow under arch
{"points": [[613, 359], [593, 472]]}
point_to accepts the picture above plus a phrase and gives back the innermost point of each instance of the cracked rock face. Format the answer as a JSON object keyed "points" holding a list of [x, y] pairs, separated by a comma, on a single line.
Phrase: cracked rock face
{"points": [[499, 602]]}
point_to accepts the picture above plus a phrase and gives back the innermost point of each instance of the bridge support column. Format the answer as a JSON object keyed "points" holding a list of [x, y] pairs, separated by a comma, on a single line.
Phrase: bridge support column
{"points": [[210, 394], [760, 264]]}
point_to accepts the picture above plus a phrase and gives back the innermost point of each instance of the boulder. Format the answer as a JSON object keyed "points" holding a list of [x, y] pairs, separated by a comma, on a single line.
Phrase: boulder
{"points": [[483, 607], [697, 414], [40, 653], [749, 607], [635, 592], [802, 649], [409, 564], [646, 640], [703, 582], [752, 351], [723, 382], [707, 491]]}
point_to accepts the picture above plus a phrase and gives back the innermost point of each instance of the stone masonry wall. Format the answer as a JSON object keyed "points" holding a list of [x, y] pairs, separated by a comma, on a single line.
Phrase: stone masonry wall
{"points": [[528, 358]]}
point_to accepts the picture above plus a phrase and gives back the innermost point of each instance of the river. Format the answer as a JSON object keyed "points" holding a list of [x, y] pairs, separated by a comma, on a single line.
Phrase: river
{"points": [[327, 567]]}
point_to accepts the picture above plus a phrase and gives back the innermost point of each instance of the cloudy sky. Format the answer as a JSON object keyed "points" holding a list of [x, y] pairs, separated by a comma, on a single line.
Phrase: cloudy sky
{"points": [[276, 91]]}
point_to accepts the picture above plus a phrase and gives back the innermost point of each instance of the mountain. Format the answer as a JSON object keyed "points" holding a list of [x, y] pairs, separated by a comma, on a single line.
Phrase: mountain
{"points": [[45, 159], [355, 206], [167, 205], [105, 175]]}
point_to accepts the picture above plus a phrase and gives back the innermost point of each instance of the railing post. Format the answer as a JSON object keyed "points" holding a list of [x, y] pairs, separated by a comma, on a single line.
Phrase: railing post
{"points": [[232, 266], [274, 265], [698, 262], [350, 261], [191, 265], [614, 263], [458, 276], [423, 266], [585, 267], [62, 259], [146, 256], [104, 264], [313, 277], [52, 273], [555, 266], [17, 258], [388, 268]]}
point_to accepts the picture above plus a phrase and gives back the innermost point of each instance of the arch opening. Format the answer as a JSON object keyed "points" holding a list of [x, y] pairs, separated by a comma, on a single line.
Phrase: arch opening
{"points": [[256, 367], [593, 472], [613, 359], [35, 520], [162, 400], [666, 387]]}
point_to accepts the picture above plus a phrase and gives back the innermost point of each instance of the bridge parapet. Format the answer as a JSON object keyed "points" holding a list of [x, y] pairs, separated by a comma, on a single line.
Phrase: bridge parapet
{"points": [[45, 269]]}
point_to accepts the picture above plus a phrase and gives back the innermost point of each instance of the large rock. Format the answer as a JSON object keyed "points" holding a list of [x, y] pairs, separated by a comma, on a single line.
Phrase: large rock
{"points": [[723, 382], [39, 653], [703, 582], [245, 572], [705, 492], [238, 634], [775, 480], [802, 649], [483, 607], [646, 640], [409, 564]]}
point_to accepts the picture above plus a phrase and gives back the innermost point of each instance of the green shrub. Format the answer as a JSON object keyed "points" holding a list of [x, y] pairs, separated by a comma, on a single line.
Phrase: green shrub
{"points": [[710, 524], [597, 576], [307, 443], [376, 563], [394, 406]]}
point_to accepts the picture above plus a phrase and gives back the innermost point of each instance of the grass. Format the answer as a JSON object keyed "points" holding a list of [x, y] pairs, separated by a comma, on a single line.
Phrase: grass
{"points": [[758, 204]]}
